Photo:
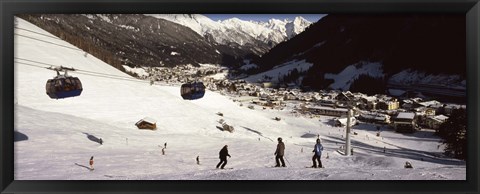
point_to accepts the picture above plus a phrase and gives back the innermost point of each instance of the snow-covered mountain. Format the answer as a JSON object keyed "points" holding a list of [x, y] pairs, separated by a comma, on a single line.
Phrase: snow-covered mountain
{"points": [[403, 49], [239, 31], [54, 139], [166, 40]]}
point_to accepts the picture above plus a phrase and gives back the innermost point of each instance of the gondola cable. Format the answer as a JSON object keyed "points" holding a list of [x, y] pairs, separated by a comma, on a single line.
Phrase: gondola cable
{"points": [[49, 42], [46, 35], [119, 76], [84, 72]]}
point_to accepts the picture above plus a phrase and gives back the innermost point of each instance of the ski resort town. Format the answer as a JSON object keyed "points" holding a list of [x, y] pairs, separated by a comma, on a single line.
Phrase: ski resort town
{"points": [[400, 113]]}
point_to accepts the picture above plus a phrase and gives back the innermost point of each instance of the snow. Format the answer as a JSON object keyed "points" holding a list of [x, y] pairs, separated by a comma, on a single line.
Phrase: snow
{"points": [[174, 53], [54, 139], [137, 70], [149, 120], [281, 70], [127, 27], [104, 18], [406, 115], [344, 79], [410, 76]]}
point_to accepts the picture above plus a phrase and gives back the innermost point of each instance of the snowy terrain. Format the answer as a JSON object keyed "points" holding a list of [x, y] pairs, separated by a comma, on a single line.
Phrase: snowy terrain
{"points": [[279, 71], [237, 30], [54, 139], [410, 77], [344, 79]]}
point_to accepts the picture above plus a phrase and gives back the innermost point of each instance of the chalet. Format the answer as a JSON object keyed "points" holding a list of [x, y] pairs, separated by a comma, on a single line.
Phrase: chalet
{"points": [[340, 122], [434, 122], [290, 96], [405, 122], [422, 114], [431, 103], [375, 118], [329, 111], [368, 103], [329, 103], [147, 123], [388, 104], [409, 104], [344, 97], [448, 108]]}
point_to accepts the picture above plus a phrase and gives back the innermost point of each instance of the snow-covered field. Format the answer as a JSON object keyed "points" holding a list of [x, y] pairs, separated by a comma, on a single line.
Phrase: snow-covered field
{"points": [[54, 139]]}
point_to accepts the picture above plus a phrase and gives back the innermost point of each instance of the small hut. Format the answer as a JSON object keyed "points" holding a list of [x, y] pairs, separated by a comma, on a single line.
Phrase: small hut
{"points": [[147, 123], [227, 127]]}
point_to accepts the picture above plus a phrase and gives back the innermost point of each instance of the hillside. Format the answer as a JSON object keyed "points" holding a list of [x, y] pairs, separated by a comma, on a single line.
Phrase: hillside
{"points": [[424, 46], [54, 139], [136, 40]]}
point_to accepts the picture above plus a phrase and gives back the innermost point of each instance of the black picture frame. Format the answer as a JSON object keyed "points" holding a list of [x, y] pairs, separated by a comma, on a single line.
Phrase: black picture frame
{"points": [[9, 8]]}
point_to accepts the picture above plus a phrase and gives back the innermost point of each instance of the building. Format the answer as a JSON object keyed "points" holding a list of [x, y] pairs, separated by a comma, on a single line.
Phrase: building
{"points": [[340, 122], [448, 108], [405, 122], [434, 122], [375, 118], [329, 111], [147, 123], [344, 97], [392, 104]]}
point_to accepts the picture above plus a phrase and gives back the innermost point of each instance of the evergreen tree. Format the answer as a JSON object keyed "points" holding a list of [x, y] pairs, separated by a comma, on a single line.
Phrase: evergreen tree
{"points": [[454, 133]]}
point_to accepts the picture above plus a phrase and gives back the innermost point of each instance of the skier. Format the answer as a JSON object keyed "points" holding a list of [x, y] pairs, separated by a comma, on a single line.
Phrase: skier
{"points": [[91, 163], [223, 157], [165, 145], [163, 151], [101, 141], [198, 160], [318, 148], [279, 153]]}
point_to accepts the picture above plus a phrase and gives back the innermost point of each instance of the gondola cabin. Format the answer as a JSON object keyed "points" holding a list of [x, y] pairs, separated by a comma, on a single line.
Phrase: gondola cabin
{"points": [[192, 91], [63, 86]]}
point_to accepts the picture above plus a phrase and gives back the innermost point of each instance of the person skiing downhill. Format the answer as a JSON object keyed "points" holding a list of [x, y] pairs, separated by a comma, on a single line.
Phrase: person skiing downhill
{"points": [[279, 153], [317, 149], [91, 163], [223, 157]]}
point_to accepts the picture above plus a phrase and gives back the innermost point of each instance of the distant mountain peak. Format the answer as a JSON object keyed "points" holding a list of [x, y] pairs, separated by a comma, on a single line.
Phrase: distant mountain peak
{"points": [[238, 31]]}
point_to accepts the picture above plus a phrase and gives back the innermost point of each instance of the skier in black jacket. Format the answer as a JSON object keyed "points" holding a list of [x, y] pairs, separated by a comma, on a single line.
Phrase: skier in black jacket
{"points": [[279, 152], [223, 157]]}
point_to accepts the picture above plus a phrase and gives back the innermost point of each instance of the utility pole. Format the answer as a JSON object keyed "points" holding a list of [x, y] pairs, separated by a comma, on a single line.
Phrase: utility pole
{"points": [[347, 139]]}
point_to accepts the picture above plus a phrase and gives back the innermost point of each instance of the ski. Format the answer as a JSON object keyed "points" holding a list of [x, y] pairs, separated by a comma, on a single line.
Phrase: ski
{"points": [[313, 167]]}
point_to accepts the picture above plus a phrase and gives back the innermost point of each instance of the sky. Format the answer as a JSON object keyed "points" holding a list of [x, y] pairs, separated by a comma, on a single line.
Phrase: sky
{"points": [[265, 17]]}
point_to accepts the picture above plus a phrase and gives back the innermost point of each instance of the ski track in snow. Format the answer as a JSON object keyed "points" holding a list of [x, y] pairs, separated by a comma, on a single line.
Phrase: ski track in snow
{"points": [[54, 139]]}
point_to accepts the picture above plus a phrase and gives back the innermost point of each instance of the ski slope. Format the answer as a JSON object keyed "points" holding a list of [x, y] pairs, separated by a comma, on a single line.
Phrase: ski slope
{"points": [[54, 139]]}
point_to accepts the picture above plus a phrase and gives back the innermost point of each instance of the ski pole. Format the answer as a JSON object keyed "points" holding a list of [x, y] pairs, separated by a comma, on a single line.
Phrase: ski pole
{"points": [[288, 161]]}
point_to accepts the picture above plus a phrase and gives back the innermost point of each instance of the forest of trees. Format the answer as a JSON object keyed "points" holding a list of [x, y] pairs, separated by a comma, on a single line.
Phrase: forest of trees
{"points": [[368, 85]]}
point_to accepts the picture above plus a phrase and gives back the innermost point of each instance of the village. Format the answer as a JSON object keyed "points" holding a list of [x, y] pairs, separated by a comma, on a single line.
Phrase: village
{"points": [[405, 115]]}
